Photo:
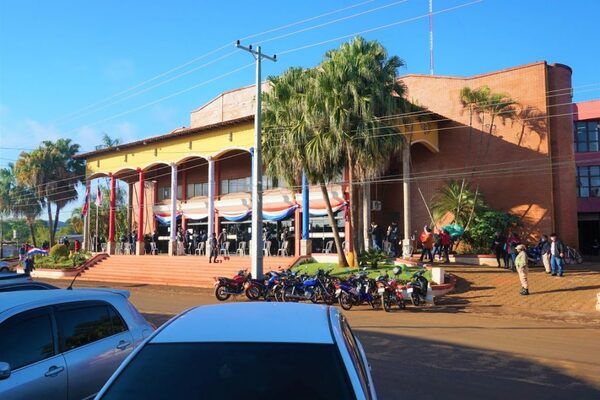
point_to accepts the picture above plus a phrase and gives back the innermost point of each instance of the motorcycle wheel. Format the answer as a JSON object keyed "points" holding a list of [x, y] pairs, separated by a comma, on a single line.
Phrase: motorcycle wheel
{"points": [[315, 296], [345, 301], [416, 300], [221, 293], [386, 303], [277, 294], [402, 304], [328, 299], [253, 293], [285, 295]]}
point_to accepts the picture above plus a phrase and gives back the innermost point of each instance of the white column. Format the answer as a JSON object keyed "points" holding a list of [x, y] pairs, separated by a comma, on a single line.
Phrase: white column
{"points": [[367, 215], [211, 202], [406, 197], [173, 237]]}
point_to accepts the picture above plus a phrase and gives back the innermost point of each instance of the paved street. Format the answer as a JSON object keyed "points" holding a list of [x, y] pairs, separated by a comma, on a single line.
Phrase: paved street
{"points": [[466, 347]]}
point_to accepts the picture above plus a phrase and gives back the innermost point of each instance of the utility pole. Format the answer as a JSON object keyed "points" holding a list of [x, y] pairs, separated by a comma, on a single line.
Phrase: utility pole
{"points": [[430, 37], [256, 248]]}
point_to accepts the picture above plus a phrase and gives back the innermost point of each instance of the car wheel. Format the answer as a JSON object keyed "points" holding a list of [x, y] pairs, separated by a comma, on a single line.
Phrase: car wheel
{"points": [[221, 293]]}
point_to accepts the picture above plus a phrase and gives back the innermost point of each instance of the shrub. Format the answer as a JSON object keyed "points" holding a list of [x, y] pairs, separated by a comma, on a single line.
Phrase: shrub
{"points": [[372, 258], [78, 259], [485, 224], [59, 250]]}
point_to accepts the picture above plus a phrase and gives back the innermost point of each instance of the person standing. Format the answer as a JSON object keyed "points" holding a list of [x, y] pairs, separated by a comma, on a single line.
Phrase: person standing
{"points": [[498, 248], [522, 268], [544, 247], [512, 244], [376, 236], [77, 246], [437, 244], [393, 236], [427, 243], [213, 243], [446, 242], [557, 254], [29, 265], [22, 253]]}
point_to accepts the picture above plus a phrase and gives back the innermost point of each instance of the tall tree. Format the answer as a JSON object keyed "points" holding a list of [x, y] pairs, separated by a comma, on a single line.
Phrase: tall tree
{"points": [[107, 141], [359, 88], [18, 200], [298, 139], [53, 173]]}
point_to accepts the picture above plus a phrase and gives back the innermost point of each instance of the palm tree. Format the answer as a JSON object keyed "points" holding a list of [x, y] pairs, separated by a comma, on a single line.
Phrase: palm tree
{"points": [[358, 86], [297, 138], [452, 197], [53, 173], [18, 200], [108, 142]]}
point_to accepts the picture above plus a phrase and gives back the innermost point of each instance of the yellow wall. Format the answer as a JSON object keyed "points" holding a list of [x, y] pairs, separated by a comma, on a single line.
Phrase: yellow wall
{"points": [[203, 144], [427, 134]]}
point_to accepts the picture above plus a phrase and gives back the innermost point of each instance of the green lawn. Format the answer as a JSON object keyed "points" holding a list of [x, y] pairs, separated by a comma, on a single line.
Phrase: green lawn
{"points": [[407, 272]]}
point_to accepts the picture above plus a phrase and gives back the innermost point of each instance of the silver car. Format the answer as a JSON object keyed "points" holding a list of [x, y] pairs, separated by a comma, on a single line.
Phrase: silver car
{"points": [[247, 351], [64, 344]]}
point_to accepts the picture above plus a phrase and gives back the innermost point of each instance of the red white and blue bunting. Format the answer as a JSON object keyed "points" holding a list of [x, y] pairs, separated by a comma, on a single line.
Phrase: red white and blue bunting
{"points": [[165, 218], [322, 212]]}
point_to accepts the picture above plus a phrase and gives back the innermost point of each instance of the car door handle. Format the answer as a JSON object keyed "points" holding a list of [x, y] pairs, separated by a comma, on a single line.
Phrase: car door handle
{"points": [[123, 344], [53, 371]]}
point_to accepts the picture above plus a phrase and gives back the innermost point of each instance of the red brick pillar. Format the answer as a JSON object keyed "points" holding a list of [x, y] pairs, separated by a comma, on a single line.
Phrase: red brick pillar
{"points": [[140, 234]]}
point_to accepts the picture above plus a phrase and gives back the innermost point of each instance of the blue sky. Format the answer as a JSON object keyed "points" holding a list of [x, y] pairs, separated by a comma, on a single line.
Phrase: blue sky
{"points": [[58, 57]]}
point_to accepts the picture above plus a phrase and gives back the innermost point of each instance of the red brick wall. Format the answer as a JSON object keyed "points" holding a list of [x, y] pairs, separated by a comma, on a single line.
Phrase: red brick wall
{"points": [[513, 168]]}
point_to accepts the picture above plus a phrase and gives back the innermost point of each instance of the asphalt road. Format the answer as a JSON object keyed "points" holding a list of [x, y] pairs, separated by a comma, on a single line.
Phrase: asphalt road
{"points": [[445, 352]]}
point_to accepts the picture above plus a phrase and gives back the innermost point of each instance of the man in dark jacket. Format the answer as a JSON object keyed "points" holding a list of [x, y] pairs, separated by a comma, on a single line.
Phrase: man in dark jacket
{"points": [[498, 248], [393, 236], [557, 254], [376, 236], [545, 255]]}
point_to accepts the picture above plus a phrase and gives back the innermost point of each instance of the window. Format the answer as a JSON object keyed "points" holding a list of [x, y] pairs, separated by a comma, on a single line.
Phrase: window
{"points": [[26, 339], [197, 189], [588, 181], [86, 324], [586, 136], [164, 192], [233, 370], [235, 185]]}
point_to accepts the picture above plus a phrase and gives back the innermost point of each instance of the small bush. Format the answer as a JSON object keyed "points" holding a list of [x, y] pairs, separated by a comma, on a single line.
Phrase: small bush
{"points": [[372, 258], [59, 250], [78, 259]]}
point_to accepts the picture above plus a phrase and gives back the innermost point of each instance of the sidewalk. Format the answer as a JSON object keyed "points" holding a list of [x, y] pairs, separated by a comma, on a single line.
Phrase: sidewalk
{"points": [[494, 290]]}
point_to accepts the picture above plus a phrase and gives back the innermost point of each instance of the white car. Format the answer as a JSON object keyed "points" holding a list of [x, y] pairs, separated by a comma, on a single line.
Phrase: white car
{"points": [[247, 351]]}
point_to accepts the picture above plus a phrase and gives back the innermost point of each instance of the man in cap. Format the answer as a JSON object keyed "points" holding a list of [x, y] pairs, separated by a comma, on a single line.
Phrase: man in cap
{"points": [[522, 268]]}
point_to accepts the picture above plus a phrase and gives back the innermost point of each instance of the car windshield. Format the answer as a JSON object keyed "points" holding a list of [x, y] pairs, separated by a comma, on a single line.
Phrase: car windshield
{"points": [[233, 370]]}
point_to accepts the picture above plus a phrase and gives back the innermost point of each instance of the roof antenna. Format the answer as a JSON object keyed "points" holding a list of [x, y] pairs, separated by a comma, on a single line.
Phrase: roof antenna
{"points": [[73, 281], [430, 37]]}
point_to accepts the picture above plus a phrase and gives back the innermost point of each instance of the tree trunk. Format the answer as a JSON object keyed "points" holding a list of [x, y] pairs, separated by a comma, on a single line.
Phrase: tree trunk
{"points": [[336, 234], [360, 219], [353, 208], [56, 214], [32, 233], [50, 225]]}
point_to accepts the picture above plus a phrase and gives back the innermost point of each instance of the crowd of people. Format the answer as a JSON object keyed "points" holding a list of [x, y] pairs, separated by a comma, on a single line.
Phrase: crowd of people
{"points": [[513, 253]]}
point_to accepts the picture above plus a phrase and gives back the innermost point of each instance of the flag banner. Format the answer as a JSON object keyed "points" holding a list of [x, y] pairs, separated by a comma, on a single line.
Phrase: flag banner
{"points": [[322, 212], [279, 215], [36, 250], [165, 218], [98, 196], [86, 204]]}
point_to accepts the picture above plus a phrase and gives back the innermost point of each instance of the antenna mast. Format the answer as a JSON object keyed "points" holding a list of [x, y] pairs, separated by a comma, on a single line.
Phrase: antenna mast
{"points": [[431, 37]]}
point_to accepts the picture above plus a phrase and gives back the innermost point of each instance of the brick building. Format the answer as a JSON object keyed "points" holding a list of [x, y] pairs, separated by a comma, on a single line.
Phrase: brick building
{"points": [[525, 166]]}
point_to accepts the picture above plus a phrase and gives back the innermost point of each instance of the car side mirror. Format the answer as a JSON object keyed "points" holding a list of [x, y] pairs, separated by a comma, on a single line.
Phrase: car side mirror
{"points": [[4, 370]]}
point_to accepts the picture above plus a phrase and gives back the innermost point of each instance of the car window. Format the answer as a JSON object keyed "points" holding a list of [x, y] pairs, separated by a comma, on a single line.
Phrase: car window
{"points": [[26, 338], [83, 325], [17, 288], [355, 355], [234, 370], [118, 325]]}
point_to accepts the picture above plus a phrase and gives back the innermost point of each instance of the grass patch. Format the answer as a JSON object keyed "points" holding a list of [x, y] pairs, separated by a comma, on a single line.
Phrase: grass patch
{"points": [[406, 275]]}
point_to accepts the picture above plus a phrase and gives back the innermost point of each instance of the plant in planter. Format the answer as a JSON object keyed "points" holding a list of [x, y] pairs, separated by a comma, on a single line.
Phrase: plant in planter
{"points": [[372, 258]]}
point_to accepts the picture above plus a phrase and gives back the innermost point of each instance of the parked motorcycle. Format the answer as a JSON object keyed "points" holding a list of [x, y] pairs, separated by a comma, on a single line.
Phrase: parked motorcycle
{"points": [[417, 290], [313, 288], [390, 291], [226, 287], [356, 291]]}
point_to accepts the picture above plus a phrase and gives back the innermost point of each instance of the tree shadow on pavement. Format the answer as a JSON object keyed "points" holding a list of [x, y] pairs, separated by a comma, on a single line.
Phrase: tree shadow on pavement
{"points": [[569, 289], [407, 367]]}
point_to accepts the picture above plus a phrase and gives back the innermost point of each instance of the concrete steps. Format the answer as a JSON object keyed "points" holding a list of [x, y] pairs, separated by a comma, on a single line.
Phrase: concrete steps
{"points": [[193, 271]]}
